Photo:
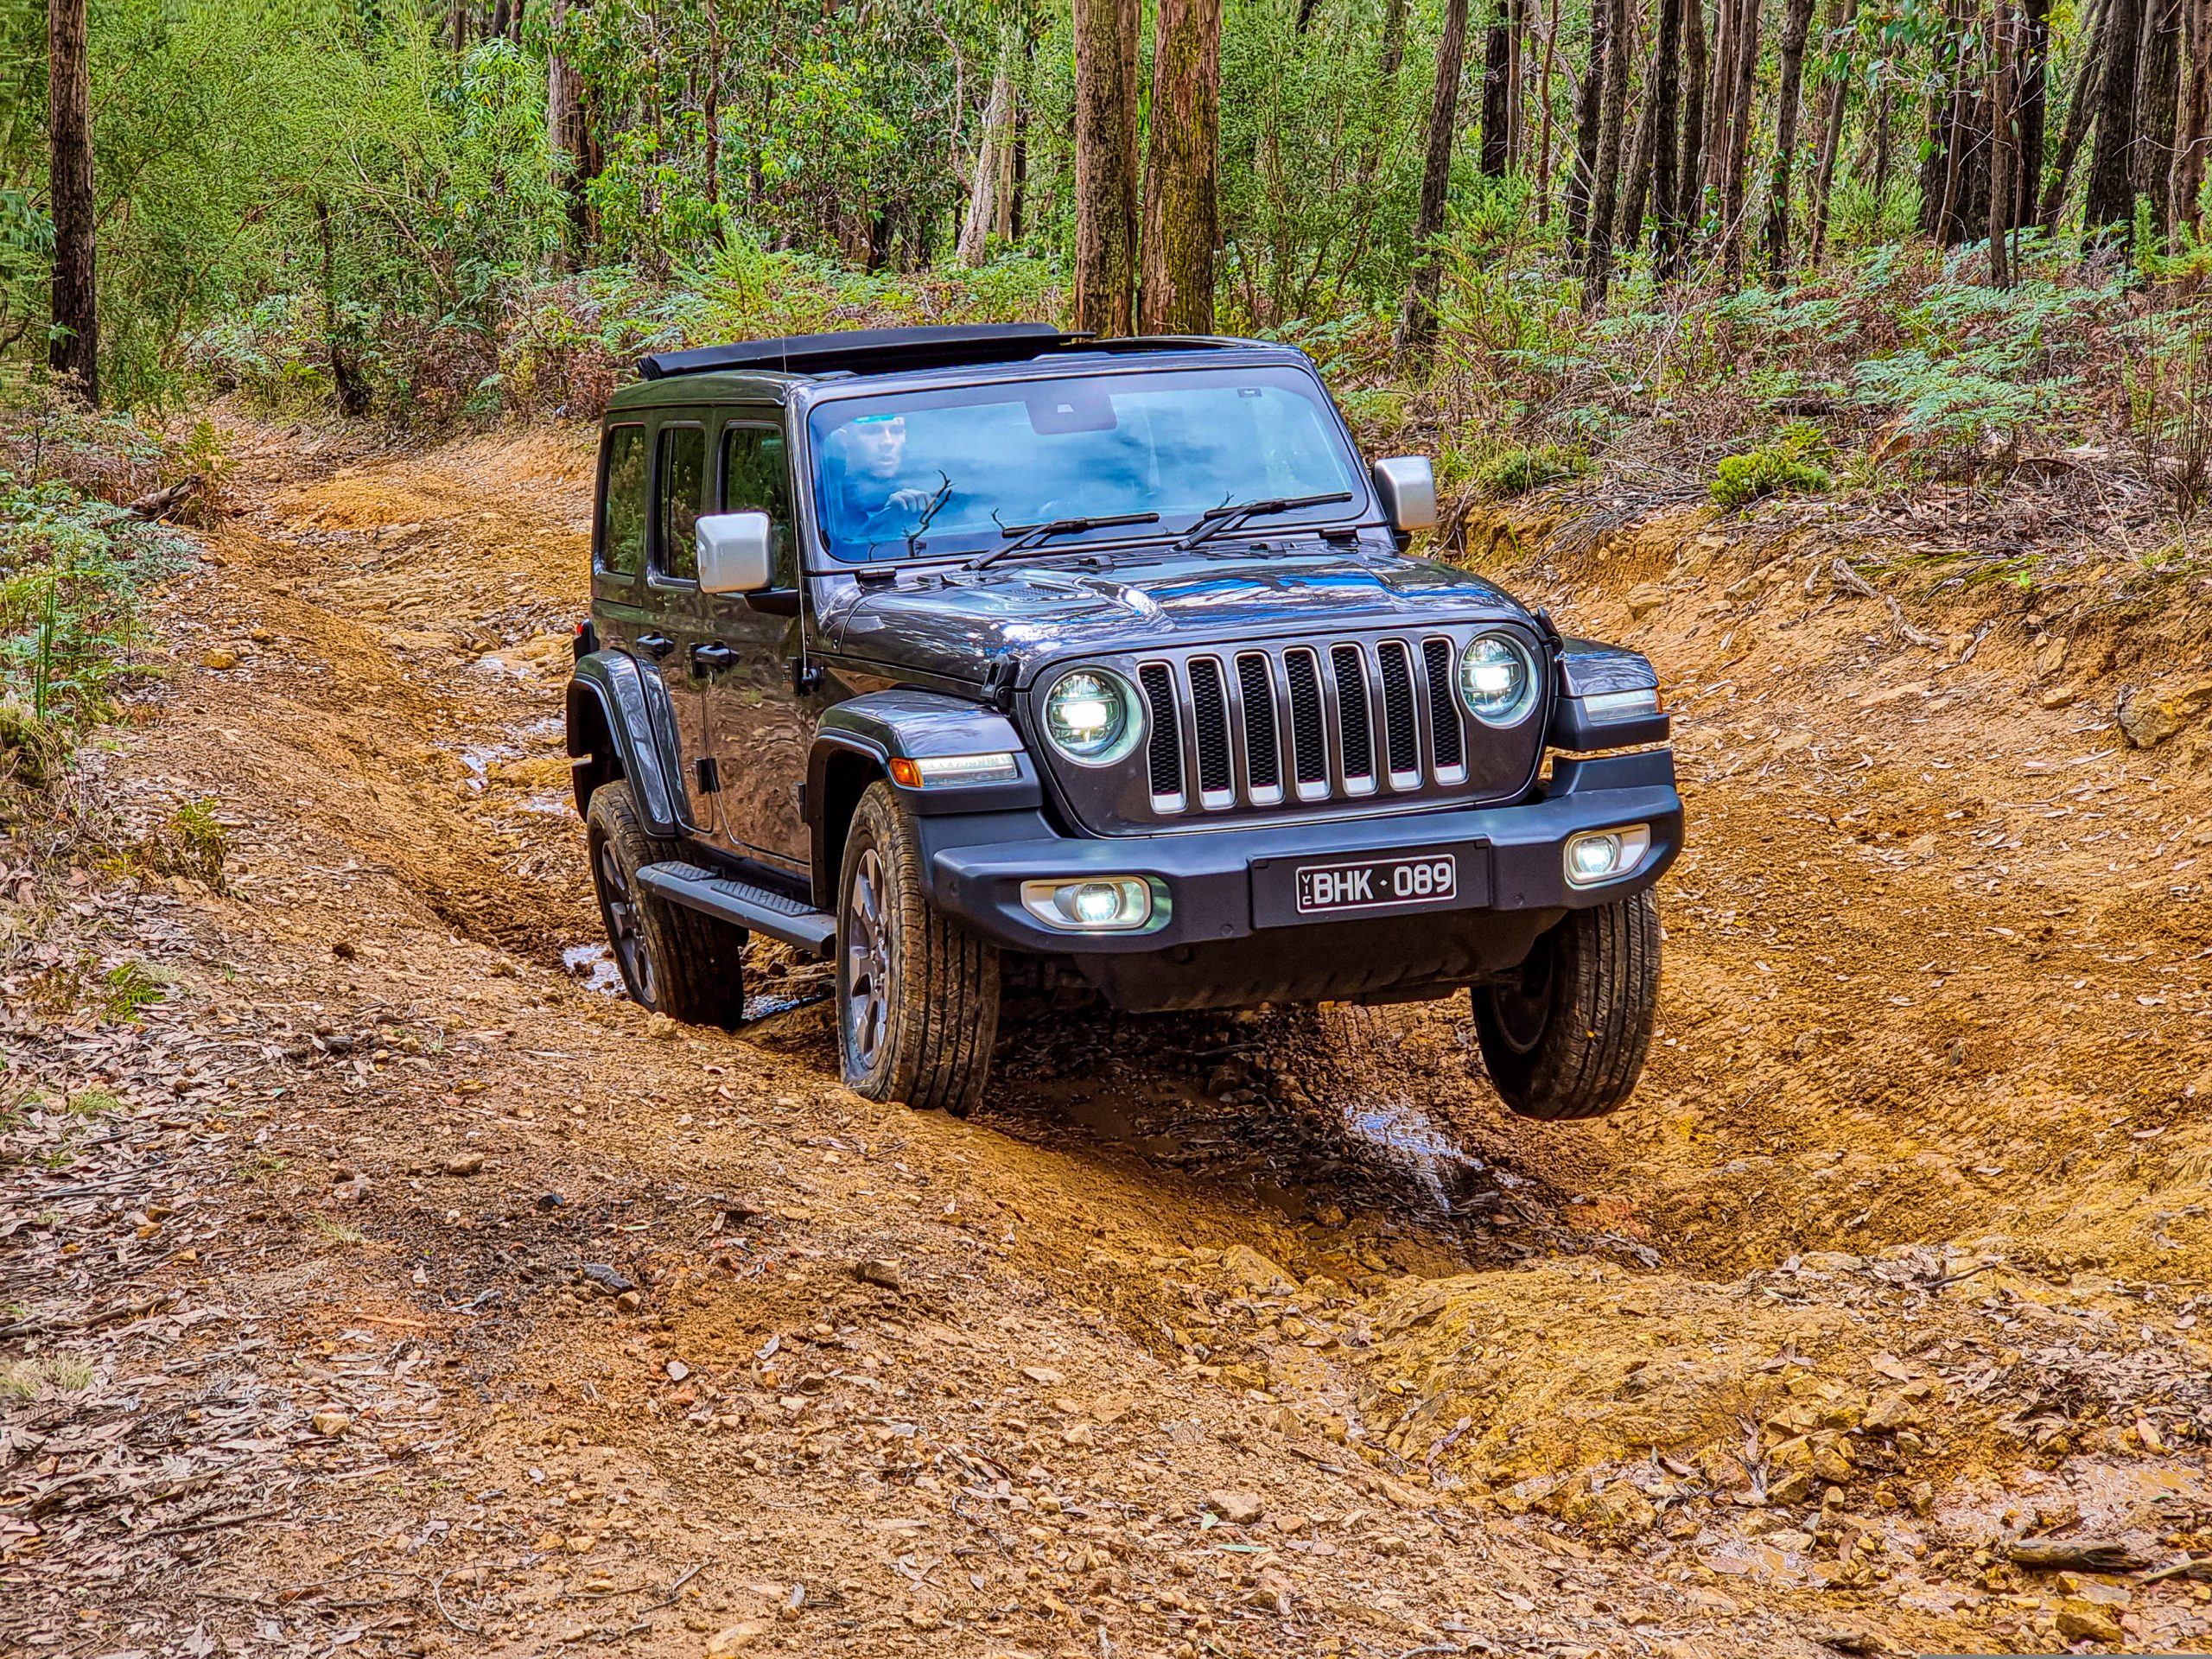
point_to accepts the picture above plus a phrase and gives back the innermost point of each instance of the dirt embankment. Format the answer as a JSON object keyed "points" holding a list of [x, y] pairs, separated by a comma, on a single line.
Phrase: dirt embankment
{"points": [[391, 1284]]}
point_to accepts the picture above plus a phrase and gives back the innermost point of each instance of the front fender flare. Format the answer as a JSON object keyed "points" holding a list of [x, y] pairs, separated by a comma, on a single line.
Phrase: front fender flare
{"points": [[631, 705]]}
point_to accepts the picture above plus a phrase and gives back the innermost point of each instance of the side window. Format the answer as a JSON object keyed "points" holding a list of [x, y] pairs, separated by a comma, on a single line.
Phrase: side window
{"points": [[681, 475], [756, 478], [622, 501]]}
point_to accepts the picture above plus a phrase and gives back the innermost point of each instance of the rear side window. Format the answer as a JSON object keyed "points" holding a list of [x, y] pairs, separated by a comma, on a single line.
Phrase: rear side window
{"points": [[622, 501], [682, 475], [756, 479]]}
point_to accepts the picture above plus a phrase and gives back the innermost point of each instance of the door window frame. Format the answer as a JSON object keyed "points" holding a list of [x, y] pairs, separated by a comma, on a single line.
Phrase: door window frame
{"points": [[763, 421], [600, 567], [656, 574]]}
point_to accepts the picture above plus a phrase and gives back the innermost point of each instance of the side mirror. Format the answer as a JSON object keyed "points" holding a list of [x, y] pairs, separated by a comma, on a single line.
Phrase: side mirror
{"points": [[734, 553], [1406, 485]]}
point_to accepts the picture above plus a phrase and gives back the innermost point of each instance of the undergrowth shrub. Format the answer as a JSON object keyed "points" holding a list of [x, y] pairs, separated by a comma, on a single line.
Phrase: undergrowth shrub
{"points": [[1517, 471], [1783, 467]]}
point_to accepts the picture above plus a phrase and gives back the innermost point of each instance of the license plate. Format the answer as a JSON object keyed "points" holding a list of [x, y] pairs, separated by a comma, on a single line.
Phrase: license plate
{"points": [[1377, 883]]}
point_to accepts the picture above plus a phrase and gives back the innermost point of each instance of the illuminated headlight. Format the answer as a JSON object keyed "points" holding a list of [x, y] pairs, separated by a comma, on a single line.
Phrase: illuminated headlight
{"points": [[1106, 904], [1497, 679], [944, 771], [1599, 856], [1092, 716], [1604, 708]]}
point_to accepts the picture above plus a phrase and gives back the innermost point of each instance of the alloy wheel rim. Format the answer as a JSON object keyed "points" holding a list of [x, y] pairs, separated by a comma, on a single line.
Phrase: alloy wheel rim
{"points": [[867, 966], [620, 909]]}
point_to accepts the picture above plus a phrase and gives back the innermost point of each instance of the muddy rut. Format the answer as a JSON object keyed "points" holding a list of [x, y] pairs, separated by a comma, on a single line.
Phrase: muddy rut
{"points": [[1268, 1335]]}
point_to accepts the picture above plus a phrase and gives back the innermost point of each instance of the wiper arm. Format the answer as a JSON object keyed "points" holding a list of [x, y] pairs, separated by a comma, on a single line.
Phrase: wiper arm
{"points": [[1214, 520], [1026, 536]]}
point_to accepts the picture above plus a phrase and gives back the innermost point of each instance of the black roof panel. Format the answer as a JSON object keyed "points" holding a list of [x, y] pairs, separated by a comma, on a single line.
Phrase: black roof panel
{"points": [[867, 351]]}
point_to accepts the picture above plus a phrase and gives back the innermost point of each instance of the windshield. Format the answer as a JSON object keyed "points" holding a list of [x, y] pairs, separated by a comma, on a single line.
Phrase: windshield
{"points": [[951, 471]]}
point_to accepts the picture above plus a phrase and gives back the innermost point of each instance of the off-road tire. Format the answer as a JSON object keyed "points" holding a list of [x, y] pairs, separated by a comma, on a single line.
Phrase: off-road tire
{"points": [[918, 994], [673, 960], [1568, 1040]]}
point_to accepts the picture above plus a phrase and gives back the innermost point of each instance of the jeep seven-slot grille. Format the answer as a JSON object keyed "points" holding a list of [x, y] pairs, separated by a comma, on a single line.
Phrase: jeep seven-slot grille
{"points": [[1260, 727]]}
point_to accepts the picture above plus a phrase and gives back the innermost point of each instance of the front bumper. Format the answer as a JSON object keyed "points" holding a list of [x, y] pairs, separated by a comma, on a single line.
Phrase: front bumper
{"points": [[1513, 886]]}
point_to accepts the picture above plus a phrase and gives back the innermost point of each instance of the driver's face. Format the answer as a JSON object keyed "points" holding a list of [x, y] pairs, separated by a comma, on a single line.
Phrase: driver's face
{"points": [[879, 446]]}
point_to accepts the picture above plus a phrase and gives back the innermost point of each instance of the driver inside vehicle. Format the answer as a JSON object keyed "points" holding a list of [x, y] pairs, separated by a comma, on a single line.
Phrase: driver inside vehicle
{"points": [[871, 476]]}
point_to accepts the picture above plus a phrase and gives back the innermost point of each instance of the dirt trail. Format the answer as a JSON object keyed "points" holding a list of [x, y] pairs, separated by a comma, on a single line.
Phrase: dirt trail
{"points": [[480, 1310]]}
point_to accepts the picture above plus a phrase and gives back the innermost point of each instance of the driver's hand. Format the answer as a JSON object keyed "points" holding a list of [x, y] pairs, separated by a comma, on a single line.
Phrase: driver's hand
{"points": [[912, 500]]}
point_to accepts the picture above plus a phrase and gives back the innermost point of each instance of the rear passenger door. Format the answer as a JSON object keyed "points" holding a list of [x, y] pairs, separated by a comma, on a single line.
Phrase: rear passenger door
{"points": [[761, 725], [678, 643]]}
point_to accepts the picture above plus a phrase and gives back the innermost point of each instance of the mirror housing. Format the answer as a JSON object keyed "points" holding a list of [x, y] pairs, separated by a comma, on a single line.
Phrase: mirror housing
{"points": [[734, 553], [1406, 484]]}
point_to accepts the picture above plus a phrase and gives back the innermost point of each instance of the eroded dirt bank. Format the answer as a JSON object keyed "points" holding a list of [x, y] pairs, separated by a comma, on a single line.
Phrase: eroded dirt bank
{"points": [[392, 1287]]}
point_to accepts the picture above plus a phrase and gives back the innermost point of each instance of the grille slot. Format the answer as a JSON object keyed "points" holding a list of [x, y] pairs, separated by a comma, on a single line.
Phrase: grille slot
{"points": [[1262, 747], [1443, 709], [1309, 732], [1209, 711], [1164, 748], [1401, 726], [1355, 734]]}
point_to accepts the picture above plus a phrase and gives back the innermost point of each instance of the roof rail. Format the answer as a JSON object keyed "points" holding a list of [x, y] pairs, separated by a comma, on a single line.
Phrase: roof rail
{"points": [[868, 349]]}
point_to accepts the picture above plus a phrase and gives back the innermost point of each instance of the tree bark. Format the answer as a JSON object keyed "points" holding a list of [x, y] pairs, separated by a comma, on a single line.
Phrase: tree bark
{"points": [[1589, 123], [2032, 73], [1788, 97], [1496, 151], [1738, 156], [1417, 321], [2003, 193], [1106, 164], [1544, 120], [2158, 89], [72, 350], [983, 184], [2080, 106], [2111, 191], [2196, 135], [1641, 159], [1689, 168], [1517, 81], [1182, 171], [1834, 101], [1394, 42], [1605, 199], [1664, 96], [569, 141]]}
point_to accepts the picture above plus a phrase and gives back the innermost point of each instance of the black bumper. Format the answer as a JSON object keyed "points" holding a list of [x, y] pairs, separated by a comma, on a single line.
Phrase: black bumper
{"points": [[1230, 941]]}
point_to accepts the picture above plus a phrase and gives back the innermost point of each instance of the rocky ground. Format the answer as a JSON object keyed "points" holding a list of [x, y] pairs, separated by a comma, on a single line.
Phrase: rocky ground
{"points": [[372, 1279]]}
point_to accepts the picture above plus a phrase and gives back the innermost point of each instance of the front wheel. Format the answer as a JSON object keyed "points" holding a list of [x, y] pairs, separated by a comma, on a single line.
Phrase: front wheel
{"points": [[918, 994], [1566, 1037]]}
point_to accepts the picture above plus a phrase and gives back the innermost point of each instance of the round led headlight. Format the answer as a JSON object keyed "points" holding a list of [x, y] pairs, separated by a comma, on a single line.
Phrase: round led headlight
{"points": [[1497, 679], [1092, 717]]}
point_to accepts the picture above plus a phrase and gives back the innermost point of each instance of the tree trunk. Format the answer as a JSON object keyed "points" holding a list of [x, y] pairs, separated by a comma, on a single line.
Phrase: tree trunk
{"points": [[2080, 106], [1604, 199], [1517, 86], [1638, 191], [2158, 88], [1834, 101], [1689, 168], [1589, 123], [1417, 321], [1664, 97], [1394, 42], [1788, 99], [569, 141], [983, 184], [1739, 144], [1182, 172], [1496, 152], [1544, 119], [2111, 191], [2003, 193], [73, 351], [2032, 70], [710, 116], [2196, 137], [1106, 164]]}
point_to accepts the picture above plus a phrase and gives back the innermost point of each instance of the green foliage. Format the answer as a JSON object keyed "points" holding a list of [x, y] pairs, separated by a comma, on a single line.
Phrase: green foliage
{"points": [[1517, 471], [1784, 467], [125, 988]]}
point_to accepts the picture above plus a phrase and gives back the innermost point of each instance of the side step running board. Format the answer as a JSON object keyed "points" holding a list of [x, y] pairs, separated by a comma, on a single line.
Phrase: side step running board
{"points": [[756, 909]]}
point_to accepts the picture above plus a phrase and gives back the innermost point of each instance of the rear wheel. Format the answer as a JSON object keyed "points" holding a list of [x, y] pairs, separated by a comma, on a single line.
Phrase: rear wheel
{"points": [[918, 994], [1567, 1039], [674, 961]]}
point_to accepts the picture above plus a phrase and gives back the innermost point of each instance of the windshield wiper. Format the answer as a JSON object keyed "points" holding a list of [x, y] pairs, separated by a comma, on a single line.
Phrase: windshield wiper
{"points": [[1214, 520], [1026, 536]]}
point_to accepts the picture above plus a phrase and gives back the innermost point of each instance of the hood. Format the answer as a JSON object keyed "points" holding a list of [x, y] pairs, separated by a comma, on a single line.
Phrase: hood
{"points": [[951, 623]]}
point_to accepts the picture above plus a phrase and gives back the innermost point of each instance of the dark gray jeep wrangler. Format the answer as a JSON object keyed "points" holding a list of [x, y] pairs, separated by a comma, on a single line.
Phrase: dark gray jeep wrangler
{"points": [[997, 655]]}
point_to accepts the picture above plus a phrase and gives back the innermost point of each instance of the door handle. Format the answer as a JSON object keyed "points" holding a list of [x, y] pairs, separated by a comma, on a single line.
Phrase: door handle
{"points": [[656, 645], [712, 658]]}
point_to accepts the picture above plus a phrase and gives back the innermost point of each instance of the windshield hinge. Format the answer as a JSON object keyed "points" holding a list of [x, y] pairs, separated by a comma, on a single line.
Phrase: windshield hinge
{"points": [[999, 680]]}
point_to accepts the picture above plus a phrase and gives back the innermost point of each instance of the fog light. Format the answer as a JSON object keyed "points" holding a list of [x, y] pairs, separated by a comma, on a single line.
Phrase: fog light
{"points": [[1599, 856], [1109, 904]]}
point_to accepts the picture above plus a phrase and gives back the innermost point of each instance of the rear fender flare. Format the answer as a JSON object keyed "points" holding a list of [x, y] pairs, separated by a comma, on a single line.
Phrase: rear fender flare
{"points": [[613, 701]]}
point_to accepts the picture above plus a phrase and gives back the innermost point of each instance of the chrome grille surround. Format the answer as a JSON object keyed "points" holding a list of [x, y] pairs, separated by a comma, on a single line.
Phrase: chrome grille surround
{"points": [[1285, 730]]}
